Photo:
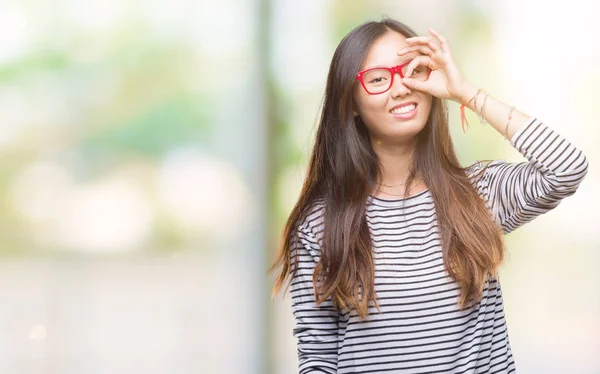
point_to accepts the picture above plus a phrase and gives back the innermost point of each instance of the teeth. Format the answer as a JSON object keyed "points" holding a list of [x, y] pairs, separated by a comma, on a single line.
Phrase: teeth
{"points": [[404, 109]]}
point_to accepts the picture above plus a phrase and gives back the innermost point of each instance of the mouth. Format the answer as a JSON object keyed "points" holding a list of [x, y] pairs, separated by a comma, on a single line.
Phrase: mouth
{"points": [[406, 111]]}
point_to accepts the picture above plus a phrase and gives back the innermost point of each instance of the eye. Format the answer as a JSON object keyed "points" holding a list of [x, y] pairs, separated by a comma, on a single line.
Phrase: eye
{"points": [[377, 80]]}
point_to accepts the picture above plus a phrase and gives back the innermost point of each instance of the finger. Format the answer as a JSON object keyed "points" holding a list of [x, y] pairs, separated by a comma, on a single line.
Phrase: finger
{"points": [[423, 40], [443, 41], [420, 61], [416, 85], [421, 48]]}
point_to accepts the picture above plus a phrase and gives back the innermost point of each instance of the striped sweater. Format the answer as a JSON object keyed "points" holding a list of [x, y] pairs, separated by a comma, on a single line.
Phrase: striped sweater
{"points": [[420, 328]]}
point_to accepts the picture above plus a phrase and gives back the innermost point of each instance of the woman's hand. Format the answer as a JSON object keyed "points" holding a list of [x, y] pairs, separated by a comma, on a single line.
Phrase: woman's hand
{"points": [[446, 80]]}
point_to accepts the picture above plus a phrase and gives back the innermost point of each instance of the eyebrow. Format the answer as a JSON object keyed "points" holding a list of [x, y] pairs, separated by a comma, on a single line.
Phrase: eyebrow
{"points": [[405, 61]]}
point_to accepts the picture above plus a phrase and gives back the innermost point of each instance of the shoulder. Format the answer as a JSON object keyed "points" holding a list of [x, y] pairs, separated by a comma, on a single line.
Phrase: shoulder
{"points": [[478, 171], [312, 220], [308, 230]]}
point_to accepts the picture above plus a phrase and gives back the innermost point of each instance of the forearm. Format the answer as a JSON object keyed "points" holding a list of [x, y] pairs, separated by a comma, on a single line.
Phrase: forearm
{"points": [[495, 112]]}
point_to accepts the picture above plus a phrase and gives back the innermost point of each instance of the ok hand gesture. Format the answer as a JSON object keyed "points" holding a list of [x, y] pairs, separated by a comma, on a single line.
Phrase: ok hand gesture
{"points": [[446, 80]]}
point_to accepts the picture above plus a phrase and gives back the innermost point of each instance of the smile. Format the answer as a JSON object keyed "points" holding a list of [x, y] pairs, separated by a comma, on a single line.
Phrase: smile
{"points": [[404, 112], [404, 109]]}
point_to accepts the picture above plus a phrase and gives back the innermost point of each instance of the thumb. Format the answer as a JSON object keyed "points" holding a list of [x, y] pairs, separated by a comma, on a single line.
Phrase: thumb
{"points": [[415, 85]]}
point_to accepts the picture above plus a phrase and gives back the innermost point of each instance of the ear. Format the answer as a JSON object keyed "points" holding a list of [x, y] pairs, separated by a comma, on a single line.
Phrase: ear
{"points": [[354, 113]]}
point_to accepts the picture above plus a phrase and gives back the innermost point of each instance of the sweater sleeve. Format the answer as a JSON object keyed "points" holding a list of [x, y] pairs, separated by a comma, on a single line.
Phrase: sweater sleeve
{"points": [[516, 193], [316, 328]]}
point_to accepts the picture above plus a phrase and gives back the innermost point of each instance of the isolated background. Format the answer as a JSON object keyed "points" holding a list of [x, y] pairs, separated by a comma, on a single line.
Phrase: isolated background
{"points": [[150, 152]]}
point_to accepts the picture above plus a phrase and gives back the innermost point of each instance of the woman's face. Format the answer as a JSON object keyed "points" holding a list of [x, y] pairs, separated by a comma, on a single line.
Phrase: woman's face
{"points": [[385, 120]]}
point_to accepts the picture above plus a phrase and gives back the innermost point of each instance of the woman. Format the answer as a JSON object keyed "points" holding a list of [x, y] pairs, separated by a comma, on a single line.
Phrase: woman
{"points": [[393, 248]]}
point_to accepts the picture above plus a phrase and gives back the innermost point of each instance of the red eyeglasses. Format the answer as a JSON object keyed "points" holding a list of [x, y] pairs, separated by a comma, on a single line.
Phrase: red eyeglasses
{"points": [[379, 80]]}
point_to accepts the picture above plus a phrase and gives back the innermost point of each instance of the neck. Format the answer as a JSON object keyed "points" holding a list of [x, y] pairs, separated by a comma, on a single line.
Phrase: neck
{"points": [[395, 161]]}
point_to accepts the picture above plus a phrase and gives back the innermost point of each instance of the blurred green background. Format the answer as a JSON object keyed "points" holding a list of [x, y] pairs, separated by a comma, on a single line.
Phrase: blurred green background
{"points": [[151, 151]]}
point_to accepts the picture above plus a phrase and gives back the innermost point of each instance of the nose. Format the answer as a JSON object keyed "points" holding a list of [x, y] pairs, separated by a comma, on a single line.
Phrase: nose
{"points": [[398, 88]]}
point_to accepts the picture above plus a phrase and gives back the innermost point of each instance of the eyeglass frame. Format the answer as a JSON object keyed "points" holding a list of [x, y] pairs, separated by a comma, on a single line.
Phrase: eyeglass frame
{"points": [[392, 70]]}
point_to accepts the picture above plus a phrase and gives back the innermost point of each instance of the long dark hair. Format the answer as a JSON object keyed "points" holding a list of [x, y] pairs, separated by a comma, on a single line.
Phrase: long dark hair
{"points": [[342, 172]]}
